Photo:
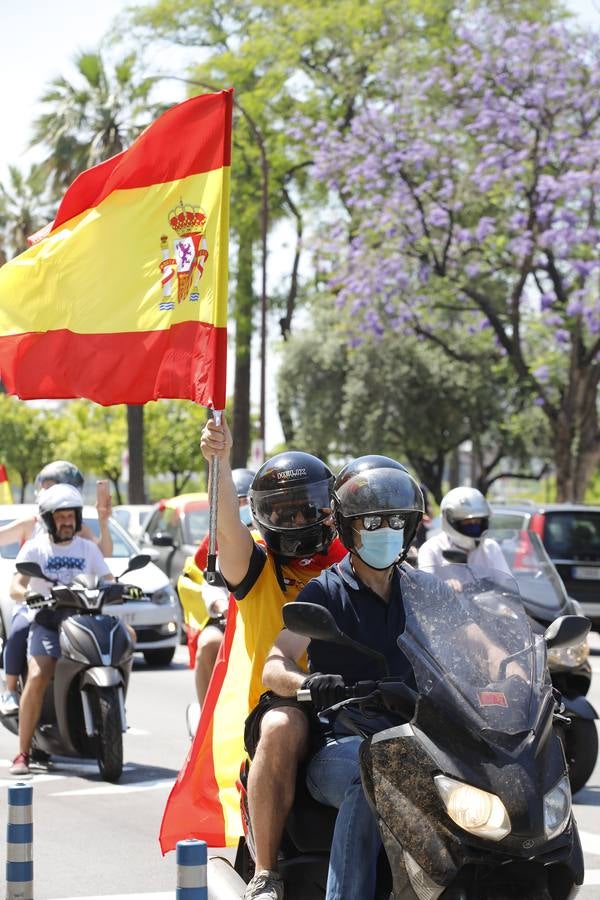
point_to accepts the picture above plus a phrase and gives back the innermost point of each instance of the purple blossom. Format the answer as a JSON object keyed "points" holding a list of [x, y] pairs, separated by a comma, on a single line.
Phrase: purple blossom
{"points": [[542, 373]]}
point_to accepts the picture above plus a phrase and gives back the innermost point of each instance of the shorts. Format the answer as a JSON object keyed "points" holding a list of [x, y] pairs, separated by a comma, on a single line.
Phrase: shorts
{"points": [[43, 641], [268, 701]]}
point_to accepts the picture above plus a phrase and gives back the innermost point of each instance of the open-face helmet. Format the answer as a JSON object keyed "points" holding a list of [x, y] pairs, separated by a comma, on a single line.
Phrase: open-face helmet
{"points": [[59, 472], [60, 497], [290, 498], [370, 492], [458, 509]]}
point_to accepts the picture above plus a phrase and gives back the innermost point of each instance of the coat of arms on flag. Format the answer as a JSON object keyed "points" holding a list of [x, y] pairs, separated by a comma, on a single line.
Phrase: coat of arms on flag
{"points": [[190, 252]]}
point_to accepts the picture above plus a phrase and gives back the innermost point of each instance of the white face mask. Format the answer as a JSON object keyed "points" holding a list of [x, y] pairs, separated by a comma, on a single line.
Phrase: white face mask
{"points": [[380, 548]]}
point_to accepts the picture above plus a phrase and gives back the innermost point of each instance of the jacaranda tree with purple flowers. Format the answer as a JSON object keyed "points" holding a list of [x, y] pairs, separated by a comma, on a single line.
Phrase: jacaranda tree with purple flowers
{"points": [[470, 205]]}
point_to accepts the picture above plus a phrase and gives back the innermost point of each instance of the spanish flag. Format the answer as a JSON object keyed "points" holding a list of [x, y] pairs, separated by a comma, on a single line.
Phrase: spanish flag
{"points": [[204, 802], [123, 299], [5, 491]]}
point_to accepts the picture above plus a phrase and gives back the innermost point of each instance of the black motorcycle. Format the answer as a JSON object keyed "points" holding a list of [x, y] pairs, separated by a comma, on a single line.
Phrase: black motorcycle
{"points": [[469, 783], [545, 599], [83, 713]]}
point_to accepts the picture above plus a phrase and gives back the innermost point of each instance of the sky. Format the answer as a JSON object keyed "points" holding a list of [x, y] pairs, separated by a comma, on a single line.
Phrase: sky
{"points": [[38, 40]]}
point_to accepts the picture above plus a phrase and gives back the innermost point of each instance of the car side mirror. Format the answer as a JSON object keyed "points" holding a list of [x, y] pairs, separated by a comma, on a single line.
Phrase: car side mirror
{"points": [[566, 631], [162, 539]]}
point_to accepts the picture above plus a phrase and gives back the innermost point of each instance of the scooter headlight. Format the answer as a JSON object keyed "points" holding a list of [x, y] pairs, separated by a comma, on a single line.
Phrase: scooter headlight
{"points": [[557, 808], [569, 657], [477, 811]]}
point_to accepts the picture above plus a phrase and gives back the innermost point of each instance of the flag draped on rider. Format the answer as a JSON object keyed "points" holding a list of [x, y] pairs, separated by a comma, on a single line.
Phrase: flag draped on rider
{"points": [[123, 299], [204, 802]]}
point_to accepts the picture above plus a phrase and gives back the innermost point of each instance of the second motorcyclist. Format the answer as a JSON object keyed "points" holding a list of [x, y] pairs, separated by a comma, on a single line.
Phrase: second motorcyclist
{"points": [[465, 515], [62, 555]]}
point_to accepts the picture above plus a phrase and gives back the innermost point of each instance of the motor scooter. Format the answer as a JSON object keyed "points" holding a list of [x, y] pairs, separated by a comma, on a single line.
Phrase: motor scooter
{"points": [[469, 782], [83, 712], [545, 599]]}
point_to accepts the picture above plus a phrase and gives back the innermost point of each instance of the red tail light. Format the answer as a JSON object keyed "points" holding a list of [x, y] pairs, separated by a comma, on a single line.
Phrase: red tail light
{"points": [[525, 557], [537, 524]]}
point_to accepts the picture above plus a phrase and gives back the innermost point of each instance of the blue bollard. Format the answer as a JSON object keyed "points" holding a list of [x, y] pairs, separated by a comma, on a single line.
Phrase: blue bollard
{"points": [[191, 870], [19, 843]]}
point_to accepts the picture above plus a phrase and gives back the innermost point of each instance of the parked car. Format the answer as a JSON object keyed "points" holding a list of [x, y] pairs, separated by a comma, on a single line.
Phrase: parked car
{"points": [[132, 518], [176, 527], [156, 618], [571, 535]]}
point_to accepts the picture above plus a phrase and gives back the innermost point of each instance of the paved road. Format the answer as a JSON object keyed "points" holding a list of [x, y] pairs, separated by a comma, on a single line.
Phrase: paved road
{"points": [[95, 840]]}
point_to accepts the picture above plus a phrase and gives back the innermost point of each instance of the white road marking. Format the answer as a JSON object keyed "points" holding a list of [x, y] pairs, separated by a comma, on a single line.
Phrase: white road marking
{"points": [[590, 842], [137, 732], [119, 788], [164, 896]]}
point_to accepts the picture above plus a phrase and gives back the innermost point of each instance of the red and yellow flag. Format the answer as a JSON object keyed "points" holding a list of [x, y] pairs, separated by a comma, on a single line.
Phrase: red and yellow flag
{"points": [[204, 802], [124, 298], [5, 491]]}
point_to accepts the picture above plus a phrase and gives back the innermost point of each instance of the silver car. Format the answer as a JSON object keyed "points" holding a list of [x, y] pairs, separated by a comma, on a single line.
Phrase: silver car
{"points": [[156, 618]]}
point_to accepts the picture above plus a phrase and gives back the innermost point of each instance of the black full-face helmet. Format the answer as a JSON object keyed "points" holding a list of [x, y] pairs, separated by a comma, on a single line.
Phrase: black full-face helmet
{"points": [[242, 479], [59, 472], [290, 498], [376, 486]]}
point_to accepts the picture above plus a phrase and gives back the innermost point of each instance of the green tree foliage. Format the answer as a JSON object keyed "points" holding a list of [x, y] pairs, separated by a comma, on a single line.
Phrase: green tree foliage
{"points": [[23, 209], [173, 440], [94, 437], [403, 398], [28, 440]]}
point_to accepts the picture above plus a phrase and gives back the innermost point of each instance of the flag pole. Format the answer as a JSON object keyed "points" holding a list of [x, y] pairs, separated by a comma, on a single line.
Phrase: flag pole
{"points": [[213, 504]]}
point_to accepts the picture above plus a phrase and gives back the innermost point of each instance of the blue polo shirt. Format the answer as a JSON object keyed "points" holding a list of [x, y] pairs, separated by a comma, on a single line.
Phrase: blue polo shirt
{"points": [[363, 616]]}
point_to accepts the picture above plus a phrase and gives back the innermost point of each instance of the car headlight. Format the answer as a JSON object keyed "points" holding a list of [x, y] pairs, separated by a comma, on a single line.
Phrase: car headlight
{"points": [[557, 808], [569, 657], [472, 809], [164, 596]]}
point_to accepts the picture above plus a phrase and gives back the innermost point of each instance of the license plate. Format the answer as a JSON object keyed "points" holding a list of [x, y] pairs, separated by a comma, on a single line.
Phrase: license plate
{"points": [[128, 618], [592, 573]]}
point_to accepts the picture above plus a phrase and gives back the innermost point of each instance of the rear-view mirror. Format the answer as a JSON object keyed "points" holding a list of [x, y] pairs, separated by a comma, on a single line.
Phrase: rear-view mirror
{"points": [[566, 631]]}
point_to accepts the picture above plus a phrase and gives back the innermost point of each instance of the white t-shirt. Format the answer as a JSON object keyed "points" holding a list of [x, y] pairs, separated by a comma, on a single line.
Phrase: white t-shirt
{"points": [[61, 562], [484, 558]]}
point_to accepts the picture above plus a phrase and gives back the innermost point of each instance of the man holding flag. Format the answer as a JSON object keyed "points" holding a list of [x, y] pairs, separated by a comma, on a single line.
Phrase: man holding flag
{"points": [[290, 501]]}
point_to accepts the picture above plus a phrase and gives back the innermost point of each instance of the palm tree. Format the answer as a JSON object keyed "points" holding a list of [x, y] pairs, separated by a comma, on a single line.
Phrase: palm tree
{"points": [[23, 209], [84, 122]]}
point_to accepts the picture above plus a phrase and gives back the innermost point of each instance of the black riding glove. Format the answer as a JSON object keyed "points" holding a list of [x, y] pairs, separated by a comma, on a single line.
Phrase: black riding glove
{"points": [[325, 690]]}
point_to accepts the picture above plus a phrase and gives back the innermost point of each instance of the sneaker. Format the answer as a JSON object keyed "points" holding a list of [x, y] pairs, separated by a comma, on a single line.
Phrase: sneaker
{"points": [[20, 765], [266, 885], [9, 703]]}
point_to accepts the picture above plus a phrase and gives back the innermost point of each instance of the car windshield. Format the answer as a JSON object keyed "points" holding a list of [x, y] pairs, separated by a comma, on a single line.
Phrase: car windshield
{"points": [[538, 580], [473, 652], [123, 547], [573, 534]]}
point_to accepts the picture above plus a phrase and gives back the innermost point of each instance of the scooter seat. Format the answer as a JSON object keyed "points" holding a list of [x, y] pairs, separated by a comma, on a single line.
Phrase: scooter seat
{"points": [[310, 824]]}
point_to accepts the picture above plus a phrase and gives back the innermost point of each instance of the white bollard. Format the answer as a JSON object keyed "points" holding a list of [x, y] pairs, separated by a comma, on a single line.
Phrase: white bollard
{"points": [[191, 870], [19, 843], [224, 883]]}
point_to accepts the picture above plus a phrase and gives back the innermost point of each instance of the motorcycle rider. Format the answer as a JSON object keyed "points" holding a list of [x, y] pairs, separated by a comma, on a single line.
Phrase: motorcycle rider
{"points": [[377, 507], [62, 555], [290, 501], [465, 517], [60, 471]]}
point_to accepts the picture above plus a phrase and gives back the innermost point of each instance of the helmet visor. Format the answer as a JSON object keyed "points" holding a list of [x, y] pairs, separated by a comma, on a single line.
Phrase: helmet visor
{"points": [[292, 507], [379, 491]]}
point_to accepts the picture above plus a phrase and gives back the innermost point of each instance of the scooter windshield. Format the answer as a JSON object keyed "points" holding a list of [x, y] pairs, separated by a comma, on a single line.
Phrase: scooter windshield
{"points": [[473, 652]]}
